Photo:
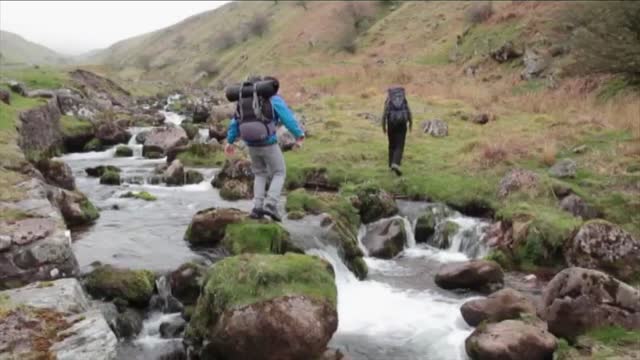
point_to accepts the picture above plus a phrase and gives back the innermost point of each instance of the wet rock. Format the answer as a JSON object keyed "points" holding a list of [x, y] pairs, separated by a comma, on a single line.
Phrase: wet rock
{"points": [[517, 180], [193, 177], [445, 231], [173, 329], [501, 305], [375, 204], [5, 97], [427, 222], [93, 145], [605, 246], [200, 114], [132, 286], [167, 304], [17, 88], [190, 129], [286, 322], [75, 207], [123, 151], [141, 137], [109, 133], [185, 282], [436, 128], [233, 190], [174, 175], [565, 168], [57, 173], [577, 300], [511, 340], [98, 171], [505, 53], [535, 64], [578, 207], [208, 226], [236, 169], [478, 275], [110, 178], [164, 138], [40, 134], [386, 238], [128, 324]]}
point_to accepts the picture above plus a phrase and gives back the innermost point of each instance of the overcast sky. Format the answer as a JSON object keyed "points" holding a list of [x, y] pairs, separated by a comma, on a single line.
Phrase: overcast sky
{"points": [[74, 27]]}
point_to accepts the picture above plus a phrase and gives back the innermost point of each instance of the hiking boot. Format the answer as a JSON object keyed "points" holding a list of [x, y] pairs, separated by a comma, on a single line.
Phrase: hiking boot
{"points": [[396, 169], [271, 211], [256, 214]]}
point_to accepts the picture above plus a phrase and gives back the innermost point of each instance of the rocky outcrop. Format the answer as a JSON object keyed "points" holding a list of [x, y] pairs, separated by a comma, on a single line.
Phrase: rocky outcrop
{"points": [[243, 317], [517, 180], [478, 275], [577, 300], [435, 128], [235, 180], [605, 246], [501, 305], [386, 238], [59, 314], [374, 204], [110, 133], [57, 173], [35, 246], [511, 340], [164, 138], [40, 134], [77, 106], [132, 286], [100, 89], [565, 168], [208, 227]]}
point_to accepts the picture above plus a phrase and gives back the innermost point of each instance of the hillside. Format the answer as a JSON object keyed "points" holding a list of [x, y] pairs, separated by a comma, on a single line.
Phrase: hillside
{"points": [[17, 50]]}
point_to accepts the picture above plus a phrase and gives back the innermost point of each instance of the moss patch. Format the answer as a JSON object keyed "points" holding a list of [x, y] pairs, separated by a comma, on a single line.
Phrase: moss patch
{"points": [[89, 210], [142, 195], [72, 126], [202, 155], [93, 145], [246, 279], [133, 286], [258, 238], [110, 178], [123, 151]]}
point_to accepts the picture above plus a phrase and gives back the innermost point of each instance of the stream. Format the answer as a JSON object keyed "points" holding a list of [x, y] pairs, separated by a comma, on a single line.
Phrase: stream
{"points": [[397, 313]]}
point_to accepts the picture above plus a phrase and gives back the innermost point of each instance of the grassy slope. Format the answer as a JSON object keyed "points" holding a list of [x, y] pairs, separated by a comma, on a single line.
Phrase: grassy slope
{"points": [[16, 49]]}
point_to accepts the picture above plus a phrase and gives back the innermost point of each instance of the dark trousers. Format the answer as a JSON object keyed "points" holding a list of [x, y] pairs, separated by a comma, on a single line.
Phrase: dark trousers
{"points": [[397, 135]]}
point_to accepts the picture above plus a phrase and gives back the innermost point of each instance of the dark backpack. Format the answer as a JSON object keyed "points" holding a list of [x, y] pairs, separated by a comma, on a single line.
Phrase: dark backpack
{"points": [[396, 108], [254, 114]]}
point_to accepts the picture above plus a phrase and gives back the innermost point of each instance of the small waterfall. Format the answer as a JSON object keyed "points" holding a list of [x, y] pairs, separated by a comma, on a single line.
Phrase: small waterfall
{"points": [[468, 238]]}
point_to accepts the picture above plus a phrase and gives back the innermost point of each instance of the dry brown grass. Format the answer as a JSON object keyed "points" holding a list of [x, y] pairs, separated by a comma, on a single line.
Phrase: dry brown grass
{"points": [[549, 153]]}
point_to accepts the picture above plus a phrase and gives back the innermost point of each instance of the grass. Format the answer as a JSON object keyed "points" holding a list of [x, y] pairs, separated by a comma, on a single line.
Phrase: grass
{"points": [[202, 155], [615, 336], [41, 78], [72, 126], [257, 238]]}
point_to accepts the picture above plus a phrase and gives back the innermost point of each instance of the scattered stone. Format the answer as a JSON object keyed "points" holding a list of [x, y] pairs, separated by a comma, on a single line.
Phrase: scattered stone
{"points": [[478, 275], [605, 246], [174, 175], [517, 180], [5, 97], [386, 238], [133, 286], [123, 151], [98, 171], [208, 226], [505, 53], [142, 195], [511, 340], [561, 191], [577, 300], [57, 173], [283, 321], [578, 207], [565, 168], [235, 180], [502, 305], [375, 204], [436, 128]]}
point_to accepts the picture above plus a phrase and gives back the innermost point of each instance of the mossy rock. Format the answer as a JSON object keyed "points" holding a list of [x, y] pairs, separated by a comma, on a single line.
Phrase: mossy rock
{"points": [[375, 204], [134, 286], [110, 178], [243, 280], [154, 155], [208, 226], [427, 222], [193, 177], [142, 195], [257, 237], [89, 211], [302, 201], [123, 151], [233, 190], [190, 129], [98, 171], [93, 145], [444, 234]]}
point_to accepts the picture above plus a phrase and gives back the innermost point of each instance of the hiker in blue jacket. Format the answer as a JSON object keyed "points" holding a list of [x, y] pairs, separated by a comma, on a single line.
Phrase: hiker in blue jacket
{"points": [[256, 126]]}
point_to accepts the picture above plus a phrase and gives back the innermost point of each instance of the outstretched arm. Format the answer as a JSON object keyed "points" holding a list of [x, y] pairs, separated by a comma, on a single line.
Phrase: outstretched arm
{"points": [[286, 116], [232, 131]]}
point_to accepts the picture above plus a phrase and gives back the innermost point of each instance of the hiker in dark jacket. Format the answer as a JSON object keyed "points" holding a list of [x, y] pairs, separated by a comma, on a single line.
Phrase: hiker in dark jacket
{"points": [[395, 119], [267, 161]]}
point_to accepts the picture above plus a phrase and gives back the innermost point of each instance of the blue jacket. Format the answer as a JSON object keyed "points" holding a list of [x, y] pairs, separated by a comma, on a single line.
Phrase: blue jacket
{"points": [[282, 115]]}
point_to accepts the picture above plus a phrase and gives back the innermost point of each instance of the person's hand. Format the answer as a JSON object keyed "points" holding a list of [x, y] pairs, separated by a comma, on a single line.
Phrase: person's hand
{"points": [[298, 144], [229, 149]]}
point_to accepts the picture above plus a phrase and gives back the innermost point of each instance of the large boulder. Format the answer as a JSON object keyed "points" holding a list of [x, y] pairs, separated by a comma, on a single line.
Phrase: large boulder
{"points": [[185, 282], [511, 340], [478, 275], [435, 128], [110, 133], [375, 204], [75, 207], [164, 138], [257, 238], [605, 246], [565, 168], [133, 286], [74, 105], [57, 173], [110, 177], [386, 238], [517, 180], [123, 151], [265, 307], [208, 227], [174, 175], [40, 134], [577, 300], [501, 305]]}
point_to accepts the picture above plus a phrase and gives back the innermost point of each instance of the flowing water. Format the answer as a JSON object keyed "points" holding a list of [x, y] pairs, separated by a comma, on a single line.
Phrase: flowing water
{"points": [[397, 313]]}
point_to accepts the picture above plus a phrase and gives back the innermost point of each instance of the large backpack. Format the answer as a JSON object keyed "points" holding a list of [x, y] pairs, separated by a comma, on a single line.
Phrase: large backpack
{"points": [[254, 112], [396, 108]]}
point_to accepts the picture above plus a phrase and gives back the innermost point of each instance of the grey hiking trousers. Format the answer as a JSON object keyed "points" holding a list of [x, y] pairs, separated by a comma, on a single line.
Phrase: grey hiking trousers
{"points": [[267, 162]]}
